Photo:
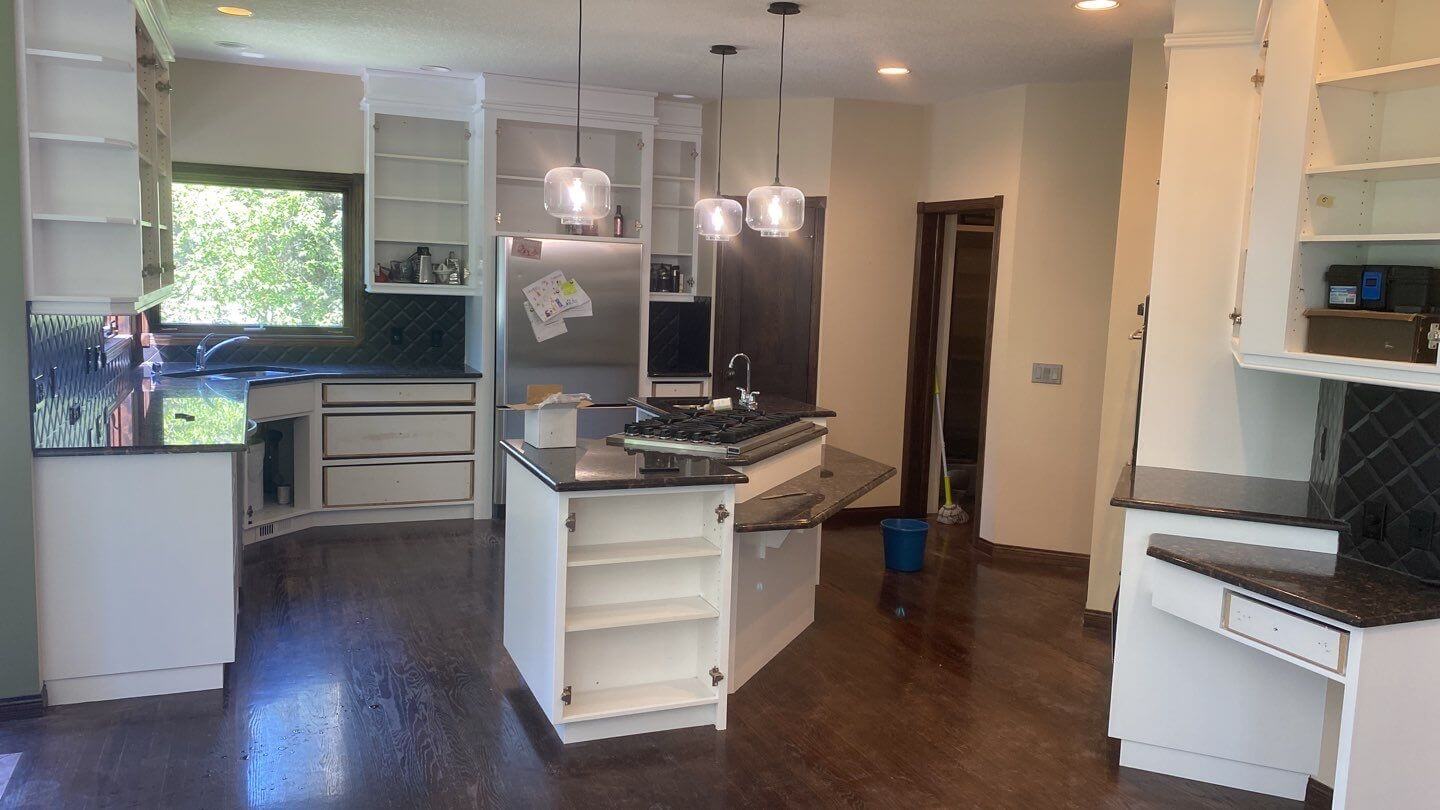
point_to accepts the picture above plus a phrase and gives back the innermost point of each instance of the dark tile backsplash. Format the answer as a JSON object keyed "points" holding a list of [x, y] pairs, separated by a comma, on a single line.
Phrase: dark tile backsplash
{"points": [[78, 402], [1377, 451], [419, 319]]}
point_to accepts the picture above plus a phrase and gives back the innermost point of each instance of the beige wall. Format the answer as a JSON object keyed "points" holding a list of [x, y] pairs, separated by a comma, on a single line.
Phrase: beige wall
{"points": [[273, 118], [749, 155], [1134, 253], [877, 164]]}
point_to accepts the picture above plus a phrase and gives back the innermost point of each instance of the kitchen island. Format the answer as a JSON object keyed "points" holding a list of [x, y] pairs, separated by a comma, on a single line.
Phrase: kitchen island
{"points": [[643, 587]]}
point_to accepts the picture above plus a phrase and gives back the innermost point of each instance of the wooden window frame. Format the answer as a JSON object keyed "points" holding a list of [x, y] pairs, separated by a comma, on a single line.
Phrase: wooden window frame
{"points": [[352, 187]]}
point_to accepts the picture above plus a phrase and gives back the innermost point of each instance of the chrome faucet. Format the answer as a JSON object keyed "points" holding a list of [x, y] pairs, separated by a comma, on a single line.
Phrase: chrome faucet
{"points": [[202, 354], [747, 397]]}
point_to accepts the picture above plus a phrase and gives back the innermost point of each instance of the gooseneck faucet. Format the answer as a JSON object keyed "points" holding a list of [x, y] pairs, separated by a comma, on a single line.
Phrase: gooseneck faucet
{"points": [[747, 397], [202, 354]]}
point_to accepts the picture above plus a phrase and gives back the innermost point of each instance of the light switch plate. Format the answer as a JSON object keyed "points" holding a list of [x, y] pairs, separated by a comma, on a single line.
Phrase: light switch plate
{"points": [[1047, 373]]}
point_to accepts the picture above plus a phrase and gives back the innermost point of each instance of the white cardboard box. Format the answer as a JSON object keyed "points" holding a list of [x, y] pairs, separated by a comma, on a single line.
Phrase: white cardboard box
{"points": [[551, 426]]}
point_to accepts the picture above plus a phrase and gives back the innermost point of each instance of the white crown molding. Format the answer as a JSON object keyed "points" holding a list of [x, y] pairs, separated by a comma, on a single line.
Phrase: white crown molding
{"points": [[156, 17], [567, 114], [1211, 39], [570, 85]]}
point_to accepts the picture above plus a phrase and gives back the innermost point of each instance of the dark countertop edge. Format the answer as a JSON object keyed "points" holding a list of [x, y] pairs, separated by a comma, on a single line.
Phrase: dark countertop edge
{"points": [[149, 450], [372, 373], [1125, 501], [734, 477], [1224, 574], [812, 412], [693, 375], [814, 520]]}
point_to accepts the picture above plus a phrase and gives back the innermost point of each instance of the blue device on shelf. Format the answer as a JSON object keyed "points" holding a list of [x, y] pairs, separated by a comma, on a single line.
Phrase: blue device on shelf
{"points": [[1373, 285]]}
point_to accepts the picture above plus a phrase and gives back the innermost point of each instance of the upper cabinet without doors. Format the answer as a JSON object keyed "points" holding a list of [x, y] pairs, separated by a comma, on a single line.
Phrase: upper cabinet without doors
{"points": [[95, 114], [1347, 172]]}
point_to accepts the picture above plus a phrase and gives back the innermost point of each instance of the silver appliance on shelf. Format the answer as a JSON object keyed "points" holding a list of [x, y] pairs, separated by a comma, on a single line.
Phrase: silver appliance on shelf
{"points": [[598, 355]]}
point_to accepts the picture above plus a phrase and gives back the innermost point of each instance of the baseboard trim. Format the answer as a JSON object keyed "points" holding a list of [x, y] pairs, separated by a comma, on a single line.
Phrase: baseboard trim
{"points": [[23, 707], [1318, 795], [999, 551], [1097, 621]]}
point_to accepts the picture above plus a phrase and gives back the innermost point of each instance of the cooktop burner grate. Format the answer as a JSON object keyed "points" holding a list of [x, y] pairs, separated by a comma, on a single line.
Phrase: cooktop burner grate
{"points": [[728, 429]]}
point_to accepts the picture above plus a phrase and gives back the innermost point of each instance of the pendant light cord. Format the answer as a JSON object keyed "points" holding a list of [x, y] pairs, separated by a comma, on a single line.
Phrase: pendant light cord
{"points": [[579, 61], [780, 99], [720, 138]]}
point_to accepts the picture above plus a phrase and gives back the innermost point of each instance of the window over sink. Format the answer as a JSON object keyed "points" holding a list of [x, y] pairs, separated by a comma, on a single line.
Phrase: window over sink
{"points": [[273, 254]]}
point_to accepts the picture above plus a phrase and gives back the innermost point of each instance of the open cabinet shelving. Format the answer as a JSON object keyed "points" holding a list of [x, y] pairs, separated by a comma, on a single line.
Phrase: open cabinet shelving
{"points": [[1347, 172]]}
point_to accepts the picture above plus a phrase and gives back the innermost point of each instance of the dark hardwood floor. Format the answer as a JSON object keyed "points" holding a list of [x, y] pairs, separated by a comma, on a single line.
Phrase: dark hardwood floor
{"points": [[371, 674]]}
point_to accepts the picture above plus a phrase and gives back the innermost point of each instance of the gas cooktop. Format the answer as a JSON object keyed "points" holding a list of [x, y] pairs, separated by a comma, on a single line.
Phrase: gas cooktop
{"points": [[729, 433]]}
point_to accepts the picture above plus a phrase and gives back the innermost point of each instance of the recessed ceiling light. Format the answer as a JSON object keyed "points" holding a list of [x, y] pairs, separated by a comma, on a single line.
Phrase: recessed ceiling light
{"points": [[896, 70], [1097, 5], [236, 46], [686, 96], [235, 11], [252, 55], [435, 68]]}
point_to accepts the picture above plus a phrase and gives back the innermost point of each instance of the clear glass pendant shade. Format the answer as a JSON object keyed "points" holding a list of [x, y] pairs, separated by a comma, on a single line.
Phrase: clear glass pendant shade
{"points": [[577, 195], [775, 210], [718, 219]]}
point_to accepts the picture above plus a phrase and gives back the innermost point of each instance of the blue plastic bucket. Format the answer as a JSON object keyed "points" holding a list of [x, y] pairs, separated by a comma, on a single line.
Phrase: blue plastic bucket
{"points": [[904, 543]]}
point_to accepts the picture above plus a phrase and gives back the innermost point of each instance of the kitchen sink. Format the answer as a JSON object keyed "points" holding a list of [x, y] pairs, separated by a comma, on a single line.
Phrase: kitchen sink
{"points": [[237, 373]]}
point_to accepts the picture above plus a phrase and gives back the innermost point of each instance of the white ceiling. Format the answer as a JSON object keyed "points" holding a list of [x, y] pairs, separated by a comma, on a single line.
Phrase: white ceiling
{"points": [[954, 47]]}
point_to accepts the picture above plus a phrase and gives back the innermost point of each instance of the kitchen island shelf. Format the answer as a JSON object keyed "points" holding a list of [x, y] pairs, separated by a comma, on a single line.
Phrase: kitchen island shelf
{"points": [[646, 697], [640, 551], [637, 614]]}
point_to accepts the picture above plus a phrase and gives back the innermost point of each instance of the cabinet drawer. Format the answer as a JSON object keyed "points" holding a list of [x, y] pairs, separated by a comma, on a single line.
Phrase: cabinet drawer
{"points": [[1320, 644], [395, 484], [677, 389], [384, 393], [268, 401], [361, 435]]}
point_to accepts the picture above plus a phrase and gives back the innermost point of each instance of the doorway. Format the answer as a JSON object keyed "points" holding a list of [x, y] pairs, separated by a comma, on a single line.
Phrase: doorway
{"points": [[953, 316], [767, 305]]}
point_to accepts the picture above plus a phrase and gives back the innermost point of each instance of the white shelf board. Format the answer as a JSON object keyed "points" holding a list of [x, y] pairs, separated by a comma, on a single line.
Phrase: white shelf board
{"points": [[421, 289], [436, 201], [673, 207], [94, 60], [635, 614], [423, 158], [642, 551], [675, 177], [523, 178], [1381, 171], [90, 140], [422, 241], [668, 296], [89, 219], [1374, 238], [646, 697], [672, 253], [1389, 79]]}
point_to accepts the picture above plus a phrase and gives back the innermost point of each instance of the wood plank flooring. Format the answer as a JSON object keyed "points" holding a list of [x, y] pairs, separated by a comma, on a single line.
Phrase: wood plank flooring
{"points": [[371, 674]]}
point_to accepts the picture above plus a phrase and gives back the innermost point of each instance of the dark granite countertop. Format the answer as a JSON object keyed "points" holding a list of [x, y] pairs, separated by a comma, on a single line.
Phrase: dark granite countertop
{"points": [[595, 465], [1239, 497], [170, 414], [1349, 591], [760, 453], [813, 497], [765, 402]]}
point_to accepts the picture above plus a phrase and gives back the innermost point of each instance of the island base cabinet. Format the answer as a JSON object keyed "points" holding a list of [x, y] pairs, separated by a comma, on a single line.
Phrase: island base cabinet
{"points": [[617, 605]]}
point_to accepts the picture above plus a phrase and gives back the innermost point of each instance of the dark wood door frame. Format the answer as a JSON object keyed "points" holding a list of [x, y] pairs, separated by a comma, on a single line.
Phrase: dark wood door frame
{"points": [[722, 327], [925, 327]]}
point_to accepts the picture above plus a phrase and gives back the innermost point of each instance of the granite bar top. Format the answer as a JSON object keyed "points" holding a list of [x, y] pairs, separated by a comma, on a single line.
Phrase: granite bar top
{"points": [[595, 465], [1349, 591], [169, 414], [1239, 497], [766, 403], [813, 497], [758, 454]]}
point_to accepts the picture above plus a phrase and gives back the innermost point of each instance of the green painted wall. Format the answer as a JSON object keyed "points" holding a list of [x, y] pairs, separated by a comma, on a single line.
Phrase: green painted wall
{"points": [[19, 653]]}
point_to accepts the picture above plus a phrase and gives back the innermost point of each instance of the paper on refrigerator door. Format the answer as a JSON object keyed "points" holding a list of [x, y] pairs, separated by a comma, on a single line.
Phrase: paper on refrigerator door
{"points": [[544, 331], [581, 306], [546, 297]]}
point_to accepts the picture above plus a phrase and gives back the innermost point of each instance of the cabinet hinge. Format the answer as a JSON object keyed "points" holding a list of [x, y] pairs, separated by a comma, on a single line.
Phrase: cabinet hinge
{"points": [[468, 134], [570, 523], [499, 218], [716, 676], [1258, 79], [565, 696], [721, 513], [1433, 338], [640, 145], [1236, 318]]}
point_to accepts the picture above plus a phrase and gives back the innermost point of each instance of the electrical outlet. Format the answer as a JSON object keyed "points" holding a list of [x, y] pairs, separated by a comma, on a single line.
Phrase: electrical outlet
{"points": [[397, 335], [1372, 525], [1422, 526], [1047, 373], [437, 338]]}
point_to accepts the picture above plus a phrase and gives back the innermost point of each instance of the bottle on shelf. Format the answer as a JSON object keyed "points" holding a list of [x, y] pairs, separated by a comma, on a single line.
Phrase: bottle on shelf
{"points": [[619, 221]]}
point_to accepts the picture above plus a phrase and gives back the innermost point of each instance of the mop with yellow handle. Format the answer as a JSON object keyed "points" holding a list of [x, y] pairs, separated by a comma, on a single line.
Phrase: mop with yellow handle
{"points": [[949, 512]]}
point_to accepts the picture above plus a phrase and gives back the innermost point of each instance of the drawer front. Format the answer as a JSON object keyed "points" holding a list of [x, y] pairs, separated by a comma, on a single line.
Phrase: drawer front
{"points": [[396, 484], [677, 389], [362, 435], [1320, 644], [384, 393], [268, 401]]}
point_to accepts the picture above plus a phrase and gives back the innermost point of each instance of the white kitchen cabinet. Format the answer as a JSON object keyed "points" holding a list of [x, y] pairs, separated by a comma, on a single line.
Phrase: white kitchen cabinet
{"points": [[398, 484], [1347, 172], [95, 118], [397, 393], [353, 435]]}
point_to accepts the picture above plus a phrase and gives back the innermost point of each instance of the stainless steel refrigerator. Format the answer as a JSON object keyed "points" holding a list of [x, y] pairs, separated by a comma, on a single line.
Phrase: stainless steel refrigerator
{"points": [[598, 355]]}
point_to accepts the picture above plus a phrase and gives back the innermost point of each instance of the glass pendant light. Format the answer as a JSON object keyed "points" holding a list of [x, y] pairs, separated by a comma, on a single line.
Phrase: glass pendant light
{"points": [[716, 218], [575, 194], [777, 210]]}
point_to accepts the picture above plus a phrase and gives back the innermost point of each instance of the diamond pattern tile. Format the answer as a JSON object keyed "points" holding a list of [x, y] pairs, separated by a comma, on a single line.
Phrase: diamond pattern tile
{"points": [[60, 342]]}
